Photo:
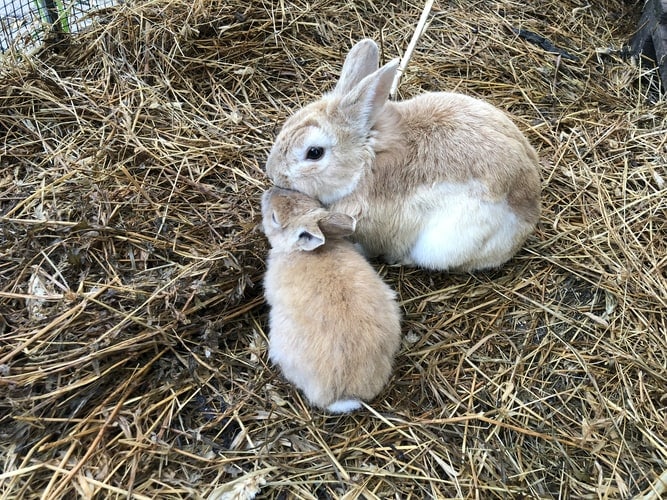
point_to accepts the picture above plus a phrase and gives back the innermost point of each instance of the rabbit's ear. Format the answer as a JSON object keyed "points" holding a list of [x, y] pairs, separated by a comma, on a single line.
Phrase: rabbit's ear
{"points": [[337, 225], [360, 62], [309, 238], [366, 99]]}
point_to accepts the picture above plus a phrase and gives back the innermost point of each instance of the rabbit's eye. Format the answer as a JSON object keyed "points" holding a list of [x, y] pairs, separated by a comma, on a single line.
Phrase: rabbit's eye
{"points": [[314, 153]]}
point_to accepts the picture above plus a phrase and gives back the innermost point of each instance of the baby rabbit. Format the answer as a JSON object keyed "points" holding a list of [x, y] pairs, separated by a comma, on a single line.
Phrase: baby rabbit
{"points": [[442, 180], [334, 325]]}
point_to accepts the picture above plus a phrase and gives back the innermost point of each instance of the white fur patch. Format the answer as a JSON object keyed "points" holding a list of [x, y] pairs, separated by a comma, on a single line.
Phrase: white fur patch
{"points": [[462, 229], [344, 406]]}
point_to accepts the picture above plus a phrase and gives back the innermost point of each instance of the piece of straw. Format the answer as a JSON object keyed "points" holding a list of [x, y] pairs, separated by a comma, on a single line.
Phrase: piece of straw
{"points": [[411, 47]]}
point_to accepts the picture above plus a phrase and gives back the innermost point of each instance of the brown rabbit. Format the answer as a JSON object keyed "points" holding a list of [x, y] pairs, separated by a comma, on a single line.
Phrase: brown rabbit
{"points": [[334, 325], [442, 181]]}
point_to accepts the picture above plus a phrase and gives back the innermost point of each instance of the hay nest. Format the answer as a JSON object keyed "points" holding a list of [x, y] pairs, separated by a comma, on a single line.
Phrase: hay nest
{"points": [[133, 331]]}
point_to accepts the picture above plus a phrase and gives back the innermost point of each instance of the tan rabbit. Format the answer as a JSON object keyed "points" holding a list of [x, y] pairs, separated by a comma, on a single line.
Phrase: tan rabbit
{"points": [[334, 325], [441, 181]]}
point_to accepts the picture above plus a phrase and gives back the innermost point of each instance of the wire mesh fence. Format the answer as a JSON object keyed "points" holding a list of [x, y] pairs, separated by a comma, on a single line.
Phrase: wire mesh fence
{"points": [[24, 24]]}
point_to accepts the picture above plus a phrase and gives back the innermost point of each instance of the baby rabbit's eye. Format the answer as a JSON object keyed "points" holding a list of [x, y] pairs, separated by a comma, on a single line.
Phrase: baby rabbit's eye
{"points": [[314, 153], [305, 235]]}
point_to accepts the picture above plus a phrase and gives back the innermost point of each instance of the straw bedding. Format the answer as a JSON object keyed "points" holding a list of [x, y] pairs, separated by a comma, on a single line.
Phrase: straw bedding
{"points": [[133, 332]]}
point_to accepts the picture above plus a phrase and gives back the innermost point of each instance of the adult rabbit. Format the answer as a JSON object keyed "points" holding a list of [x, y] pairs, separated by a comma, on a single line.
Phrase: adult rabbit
{"points": [[442, 180]]}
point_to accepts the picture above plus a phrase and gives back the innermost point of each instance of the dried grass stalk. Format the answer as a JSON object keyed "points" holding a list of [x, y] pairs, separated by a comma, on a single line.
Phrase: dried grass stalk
{"points": [[132, 326]]}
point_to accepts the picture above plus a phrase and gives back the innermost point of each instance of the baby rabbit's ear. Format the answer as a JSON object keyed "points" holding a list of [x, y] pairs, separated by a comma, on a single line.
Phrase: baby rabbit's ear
{"points": [[274, 220], [310, 237], [363, 103], [360, 62], [337, 225]]}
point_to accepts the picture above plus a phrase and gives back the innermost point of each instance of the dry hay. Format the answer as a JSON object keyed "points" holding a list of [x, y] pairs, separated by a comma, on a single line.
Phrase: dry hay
{"points": [[133, 333]]}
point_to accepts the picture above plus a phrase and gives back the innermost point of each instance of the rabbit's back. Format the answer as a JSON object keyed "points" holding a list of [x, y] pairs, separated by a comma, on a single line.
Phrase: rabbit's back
{"points": [[334, 324], [453, 138]]}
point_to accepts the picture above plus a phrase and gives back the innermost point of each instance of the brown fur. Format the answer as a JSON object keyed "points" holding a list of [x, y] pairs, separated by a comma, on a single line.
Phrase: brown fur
{"points": [[334, 324]]}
